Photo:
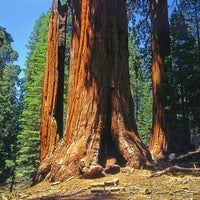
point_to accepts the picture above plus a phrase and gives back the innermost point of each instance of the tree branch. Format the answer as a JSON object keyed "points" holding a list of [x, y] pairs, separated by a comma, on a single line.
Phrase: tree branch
{"points": [[175, 167], [186, 155]]}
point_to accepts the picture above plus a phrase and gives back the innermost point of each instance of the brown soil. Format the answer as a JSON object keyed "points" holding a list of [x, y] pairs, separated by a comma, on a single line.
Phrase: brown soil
{"points": [[134, 184]]}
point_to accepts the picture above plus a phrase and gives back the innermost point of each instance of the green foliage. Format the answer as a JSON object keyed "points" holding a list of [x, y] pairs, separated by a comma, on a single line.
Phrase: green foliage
{"points": [[7, 54], [140, 65], [141, 91], [184, 76], [67, 56], [29, 137], [9, 106]]}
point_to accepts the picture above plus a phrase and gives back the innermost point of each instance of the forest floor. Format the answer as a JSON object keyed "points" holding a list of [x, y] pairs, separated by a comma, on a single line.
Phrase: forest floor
{"points": [[130, 184]]}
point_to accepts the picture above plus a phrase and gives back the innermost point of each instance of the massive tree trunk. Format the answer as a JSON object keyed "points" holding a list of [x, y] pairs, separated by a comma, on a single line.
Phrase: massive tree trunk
{"points": [[51, 127], [101, 127], [160, 50]]}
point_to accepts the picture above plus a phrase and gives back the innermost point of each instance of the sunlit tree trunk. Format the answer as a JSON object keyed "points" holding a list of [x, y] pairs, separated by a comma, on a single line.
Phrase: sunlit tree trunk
{"points": [[160, 50], [51, 127], [101, 128]]}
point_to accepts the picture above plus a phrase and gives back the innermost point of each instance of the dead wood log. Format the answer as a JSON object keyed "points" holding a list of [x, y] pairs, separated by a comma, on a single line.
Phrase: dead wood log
{"points": [[69, 179], [106, 183], [175, 167], [56, 183], [103, 190], [101, 184], [112, 182]]}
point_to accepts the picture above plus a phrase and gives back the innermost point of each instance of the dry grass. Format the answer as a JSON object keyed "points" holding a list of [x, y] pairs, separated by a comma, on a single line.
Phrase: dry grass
{"points": [[137, 183]]}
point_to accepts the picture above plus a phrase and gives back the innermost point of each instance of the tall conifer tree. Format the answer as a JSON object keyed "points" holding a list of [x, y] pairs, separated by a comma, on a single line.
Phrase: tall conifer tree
{"points": [[29, 137], [184, 85], [9, 106]]}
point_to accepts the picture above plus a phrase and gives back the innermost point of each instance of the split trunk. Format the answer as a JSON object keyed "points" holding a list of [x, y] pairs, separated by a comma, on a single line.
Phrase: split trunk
{"points": [[101, 128], [51, 127]]}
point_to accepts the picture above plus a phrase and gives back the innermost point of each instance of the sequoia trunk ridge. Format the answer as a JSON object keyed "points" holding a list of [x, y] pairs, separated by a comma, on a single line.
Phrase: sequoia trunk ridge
{"points": [[101, 128], [51, 127]]}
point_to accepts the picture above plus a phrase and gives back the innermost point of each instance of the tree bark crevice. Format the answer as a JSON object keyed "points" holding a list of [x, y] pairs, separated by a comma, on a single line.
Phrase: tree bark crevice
{"points": [[101, 128], [51, 127]]}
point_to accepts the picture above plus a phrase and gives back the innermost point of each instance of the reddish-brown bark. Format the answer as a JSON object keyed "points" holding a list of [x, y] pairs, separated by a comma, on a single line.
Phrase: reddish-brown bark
{"points": [[160, 50], [100, 127], [51, 127]]}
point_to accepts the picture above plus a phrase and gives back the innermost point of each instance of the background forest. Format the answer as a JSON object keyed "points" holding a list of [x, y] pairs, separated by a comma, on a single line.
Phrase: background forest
{"points": [[20, 99]]}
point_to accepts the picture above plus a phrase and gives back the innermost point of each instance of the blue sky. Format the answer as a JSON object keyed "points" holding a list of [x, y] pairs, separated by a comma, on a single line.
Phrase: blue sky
{"points": [[19, 17]]}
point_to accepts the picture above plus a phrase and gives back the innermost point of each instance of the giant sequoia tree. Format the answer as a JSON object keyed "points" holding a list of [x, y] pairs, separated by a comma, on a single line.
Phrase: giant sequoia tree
{"points": [[100, 124], [160, 51]]}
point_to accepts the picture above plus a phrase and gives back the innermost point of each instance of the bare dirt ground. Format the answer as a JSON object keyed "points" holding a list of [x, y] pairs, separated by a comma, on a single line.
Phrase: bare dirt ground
{"points": [[132, 184]]}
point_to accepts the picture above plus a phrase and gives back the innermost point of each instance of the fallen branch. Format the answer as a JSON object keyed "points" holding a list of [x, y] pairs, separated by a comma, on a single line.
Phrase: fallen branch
{"points": [[185, 155], [106, 183], [69, 179], [23, 196], [103, 190], [56, 183], [175, 167], [46, 189], [188, 154]]}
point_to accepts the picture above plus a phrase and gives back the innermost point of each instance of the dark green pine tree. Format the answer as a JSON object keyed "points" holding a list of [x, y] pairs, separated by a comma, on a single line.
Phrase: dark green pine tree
{"points": [[29, 137], [9, 107], [184, 99], [191, 10], [140, 65], [141, 91]]}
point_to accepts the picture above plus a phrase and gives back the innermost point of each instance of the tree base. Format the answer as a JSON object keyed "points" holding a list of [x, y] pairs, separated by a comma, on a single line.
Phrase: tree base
{"points": [[60, 166]]}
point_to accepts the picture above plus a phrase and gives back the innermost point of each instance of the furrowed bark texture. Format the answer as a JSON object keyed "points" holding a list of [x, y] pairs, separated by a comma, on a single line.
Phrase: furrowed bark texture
{"points": [[100, 120], [160, 50], [51, 127]]}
